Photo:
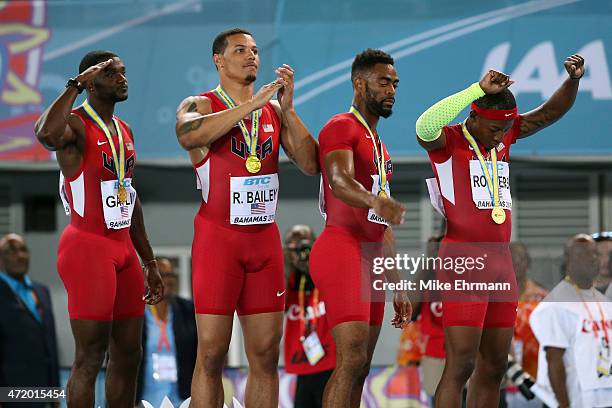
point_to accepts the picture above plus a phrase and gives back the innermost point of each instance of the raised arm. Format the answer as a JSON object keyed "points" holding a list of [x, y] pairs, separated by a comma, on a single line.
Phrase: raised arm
{"points": [[57, 128], [340, 172], [197, 126], [559, 103], [297, 141], [430, 124]]}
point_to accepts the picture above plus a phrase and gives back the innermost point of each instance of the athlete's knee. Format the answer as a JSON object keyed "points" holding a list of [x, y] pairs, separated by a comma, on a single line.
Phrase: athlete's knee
{"points": [[88, 360], [460, 367], [493, 367], [211, 357], [126, 353], [264, 356], [353, 356]]}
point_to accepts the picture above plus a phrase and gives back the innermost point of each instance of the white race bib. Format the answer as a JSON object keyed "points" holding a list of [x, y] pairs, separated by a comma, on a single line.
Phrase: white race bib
{"points": [[480, 191], [372, 216], [164, 367], [253, 199], [116, 215]]}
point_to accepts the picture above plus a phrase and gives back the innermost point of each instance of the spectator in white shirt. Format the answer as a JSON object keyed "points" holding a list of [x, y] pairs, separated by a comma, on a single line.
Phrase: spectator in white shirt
{"points": [[573, 326]]}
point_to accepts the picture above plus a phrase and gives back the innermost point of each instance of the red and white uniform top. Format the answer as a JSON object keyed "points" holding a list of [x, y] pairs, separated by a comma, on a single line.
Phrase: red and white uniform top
{"points": [[463, 188], [231, 196], [345, 132], [90, 196]]}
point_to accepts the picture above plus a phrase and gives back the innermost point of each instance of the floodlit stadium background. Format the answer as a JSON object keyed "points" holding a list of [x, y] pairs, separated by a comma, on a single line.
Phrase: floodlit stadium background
{"points": [[561, 178]]}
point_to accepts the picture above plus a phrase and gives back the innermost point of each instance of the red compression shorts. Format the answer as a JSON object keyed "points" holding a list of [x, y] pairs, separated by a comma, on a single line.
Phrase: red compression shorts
{"points": [[237, 271], [479, 314], [340, 272], [479, 308], [102, 276]]}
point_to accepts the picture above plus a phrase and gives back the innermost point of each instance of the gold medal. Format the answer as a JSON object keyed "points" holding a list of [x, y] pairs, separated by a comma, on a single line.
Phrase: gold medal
{"points": [[499, 215], [383, 194], [253, 164], [122, 194]]}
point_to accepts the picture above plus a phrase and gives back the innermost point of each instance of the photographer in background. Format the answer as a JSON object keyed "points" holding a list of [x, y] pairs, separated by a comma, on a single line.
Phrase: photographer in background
{"points": [[309, 346]]}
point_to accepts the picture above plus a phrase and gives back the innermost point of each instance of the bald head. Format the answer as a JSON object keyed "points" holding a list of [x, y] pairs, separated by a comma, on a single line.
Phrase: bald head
{"points": [[581, 259], [14, 255]]}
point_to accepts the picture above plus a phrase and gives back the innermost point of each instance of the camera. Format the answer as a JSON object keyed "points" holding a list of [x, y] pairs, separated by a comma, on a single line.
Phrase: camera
{"points": [[520, 378]]}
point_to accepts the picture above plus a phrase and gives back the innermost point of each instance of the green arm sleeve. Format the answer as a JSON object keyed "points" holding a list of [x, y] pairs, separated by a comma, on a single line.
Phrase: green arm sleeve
{"points": [[429, 125]]}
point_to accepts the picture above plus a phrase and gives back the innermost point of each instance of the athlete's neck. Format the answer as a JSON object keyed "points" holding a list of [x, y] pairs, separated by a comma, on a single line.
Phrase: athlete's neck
{"points": [[369, 117], [239, 92], [103, 108]]}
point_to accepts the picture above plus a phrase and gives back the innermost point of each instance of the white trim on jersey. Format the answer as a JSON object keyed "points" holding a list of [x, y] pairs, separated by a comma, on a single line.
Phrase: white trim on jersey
{"points": [[203, 179], [445, 177], [77, 187]]}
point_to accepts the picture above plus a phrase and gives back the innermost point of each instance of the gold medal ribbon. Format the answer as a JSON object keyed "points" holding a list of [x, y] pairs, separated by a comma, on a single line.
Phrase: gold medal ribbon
{"points": [[118, 159], [250, 139], [380, 154], [492, 184]]}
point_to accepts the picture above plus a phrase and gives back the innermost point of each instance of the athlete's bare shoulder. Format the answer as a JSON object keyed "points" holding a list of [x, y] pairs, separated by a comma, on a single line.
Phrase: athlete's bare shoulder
{"points": [[198, 104]]}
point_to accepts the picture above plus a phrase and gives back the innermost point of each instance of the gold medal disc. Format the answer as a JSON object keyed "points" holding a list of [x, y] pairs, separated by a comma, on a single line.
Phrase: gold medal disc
{"points": [[122, 194], [383, 194], [499, 215], [253, 164]]}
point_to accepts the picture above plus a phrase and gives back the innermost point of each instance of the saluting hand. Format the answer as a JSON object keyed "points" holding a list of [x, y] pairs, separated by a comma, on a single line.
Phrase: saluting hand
{"points": [[574, 65], [91, 72], [494, 82]]}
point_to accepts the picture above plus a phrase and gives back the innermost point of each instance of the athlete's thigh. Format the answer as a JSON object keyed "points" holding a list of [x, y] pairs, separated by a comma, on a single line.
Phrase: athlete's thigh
{"points": [[129, 301], [87, 266], [336, 269], [217, 274], [263, 290], [495, 343], [262, 332], [214, 332], [126, 335]]}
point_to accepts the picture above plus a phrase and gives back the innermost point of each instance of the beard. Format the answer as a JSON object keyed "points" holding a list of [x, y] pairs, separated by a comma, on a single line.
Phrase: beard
{"points": [[376, 107], [250, 79]]}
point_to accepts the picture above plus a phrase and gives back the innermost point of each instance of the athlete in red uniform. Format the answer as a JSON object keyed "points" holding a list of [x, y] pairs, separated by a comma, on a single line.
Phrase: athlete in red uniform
{"points": [[470, 161], [355, 199], [233, 138], [96, 257]]}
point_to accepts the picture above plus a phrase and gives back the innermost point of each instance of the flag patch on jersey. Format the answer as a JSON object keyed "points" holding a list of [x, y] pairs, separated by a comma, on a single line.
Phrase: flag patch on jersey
{"points": [[129, 146], [267, 127], [125, 211], [258, 208]]}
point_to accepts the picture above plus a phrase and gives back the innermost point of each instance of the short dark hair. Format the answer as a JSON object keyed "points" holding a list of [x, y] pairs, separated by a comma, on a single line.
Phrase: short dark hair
{"points": [[503, 100], [220, 42], [95, 57], [367, 59]]}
